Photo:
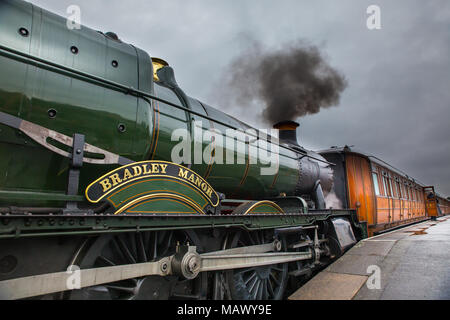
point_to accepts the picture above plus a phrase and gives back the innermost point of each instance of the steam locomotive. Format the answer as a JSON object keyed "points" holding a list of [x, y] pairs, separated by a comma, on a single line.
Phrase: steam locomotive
{"points": [[88, 187]]}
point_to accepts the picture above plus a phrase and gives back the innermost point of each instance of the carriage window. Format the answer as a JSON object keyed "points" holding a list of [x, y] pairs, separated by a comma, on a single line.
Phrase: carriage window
{"points": [[387, 186], [375, 184], [383, 182], [399, 189], [393, 189]]}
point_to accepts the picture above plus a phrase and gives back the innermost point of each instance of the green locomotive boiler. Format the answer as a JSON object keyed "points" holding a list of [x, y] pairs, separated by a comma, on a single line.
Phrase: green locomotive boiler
{"points": [[87, 179]]}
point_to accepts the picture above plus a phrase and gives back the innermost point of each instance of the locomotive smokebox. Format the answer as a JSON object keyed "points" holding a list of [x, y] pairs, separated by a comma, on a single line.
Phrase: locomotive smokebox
{"points": [[288, 131], [315, 173]]}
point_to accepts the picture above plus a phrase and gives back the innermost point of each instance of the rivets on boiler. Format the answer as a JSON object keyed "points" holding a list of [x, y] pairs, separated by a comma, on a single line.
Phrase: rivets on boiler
{"points": [[122, 128], [51, 113], [23, 32]]}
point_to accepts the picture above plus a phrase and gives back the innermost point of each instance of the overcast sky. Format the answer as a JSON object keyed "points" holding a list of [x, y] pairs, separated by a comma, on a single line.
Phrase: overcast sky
{"points": [[397, 104]]}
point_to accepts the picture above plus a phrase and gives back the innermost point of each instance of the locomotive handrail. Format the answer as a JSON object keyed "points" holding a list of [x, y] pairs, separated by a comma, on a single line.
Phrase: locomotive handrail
{"points": [[38, 62]]}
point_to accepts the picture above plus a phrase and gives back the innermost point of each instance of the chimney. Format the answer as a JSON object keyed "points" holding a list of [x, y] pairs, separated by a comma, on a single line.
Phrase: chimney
{"points": [[288, 131]]}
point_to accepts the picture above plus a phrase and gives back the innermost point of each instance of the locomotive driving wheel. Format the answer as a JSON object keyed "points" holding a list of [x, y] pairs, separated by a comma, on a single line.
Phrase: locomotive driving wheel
{"points": [[255, 283], [131, 248]]}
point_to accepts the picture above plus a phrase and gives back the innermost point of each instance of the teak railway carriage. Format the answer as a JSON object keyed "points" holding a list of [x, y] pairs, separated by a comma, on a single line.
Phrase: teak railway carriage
{"points": [[443, 205], [86, 180], [383, 196]]}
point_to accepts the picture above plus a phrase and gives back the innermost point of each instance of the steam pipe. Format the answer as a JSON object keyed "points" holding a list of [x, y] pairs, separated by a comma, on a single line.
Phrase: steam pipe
{"points": [[318, 196]]}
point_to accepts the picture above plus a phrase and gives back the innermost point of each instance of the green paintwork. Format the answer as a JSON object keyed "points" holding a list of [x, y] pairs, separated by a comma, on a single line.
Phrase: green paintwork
{"points": [[28, 89], [265, 209], [152, 187], [34, 196], [29, 92]]}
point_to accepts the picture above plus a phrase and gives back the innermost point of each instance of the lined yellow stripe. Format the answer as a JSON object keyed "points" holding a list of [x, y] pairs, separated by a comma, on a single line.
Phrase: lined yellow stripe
{"points": [[156, 119], [247, 169], [160, 195], [266, 202]]}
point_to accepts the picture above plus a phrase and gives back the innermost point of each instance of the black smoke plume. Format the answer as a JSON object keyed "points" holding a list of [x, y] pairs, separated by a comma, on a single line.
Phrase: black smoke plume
{"points": [[290, 82]]}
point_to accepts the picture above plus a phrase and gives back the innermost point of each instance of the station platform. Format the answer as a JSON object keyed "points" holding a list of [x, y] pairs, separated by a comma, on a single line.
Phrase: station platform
{"points": [[412, 263]]}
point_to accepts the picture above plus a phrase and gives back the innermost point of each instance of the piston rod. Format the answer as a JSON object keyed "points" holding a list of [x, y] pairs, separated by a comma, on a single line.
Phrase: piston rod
{"points": [[186, 262]]}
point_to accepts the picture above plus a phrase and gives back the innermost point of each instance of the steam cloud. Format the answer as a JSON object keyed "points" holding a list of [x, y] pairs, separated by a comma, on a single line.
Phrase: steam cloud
{"points": [[291, 82], [332, 201]]}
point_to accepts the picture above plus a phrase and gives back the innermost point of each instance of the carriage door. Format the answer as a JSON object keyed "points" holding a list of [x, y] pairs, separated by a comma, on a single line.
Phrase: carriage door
{"points": [[430, 200]]}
